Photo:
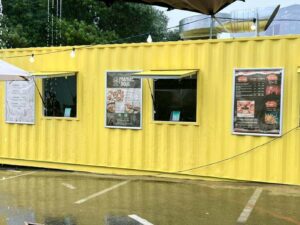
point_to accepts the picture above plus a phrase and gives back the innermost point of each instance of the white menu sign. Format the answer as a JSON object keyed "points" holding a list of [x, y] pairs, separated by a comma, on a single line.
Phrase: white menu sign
{"points": [[20, 102]]}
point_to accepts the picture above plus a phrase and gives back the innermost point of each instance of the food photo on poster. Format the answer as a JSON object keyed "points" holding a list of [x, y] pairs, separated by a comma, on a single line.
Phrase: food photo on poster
{"points": [[123, 100], [257, 106]]}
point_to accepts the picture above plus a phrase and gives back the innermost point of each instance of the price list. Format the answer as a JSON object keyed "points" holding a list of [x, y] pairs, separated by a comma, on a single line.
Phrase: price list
{"points": [[257, 102]]}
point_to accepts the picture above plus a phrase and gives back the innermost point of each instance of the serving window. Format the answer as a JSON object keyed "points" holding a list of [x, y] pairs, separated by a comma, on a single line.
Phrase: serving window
{"points": [[174, 95], [175, 99], [60, 96]]}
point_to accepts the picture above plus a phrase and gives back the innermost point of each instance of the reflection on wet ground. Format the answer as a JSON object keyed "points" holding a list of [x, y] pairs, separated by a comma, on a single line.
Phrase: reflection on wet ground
{"points": [[117, 220], [67, 198]]}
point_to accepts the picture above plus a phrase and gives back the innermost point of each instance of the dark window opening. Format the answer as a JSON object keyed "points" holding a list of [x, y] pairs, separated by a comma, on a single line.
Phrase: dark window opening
{"points": [[175, 99], [60, 96]]}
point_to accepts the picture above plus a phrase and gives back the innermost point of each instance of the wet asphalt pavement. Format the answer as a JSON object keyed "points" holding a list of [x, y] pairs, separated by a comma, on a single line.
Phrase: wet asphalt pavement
{"points": [[70, 198]]}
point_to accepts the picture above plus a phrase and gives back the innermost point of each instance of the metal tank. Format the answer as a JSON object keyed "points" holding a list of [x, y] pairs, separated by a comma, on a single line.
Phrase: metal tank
{"points": [[199, 27]]}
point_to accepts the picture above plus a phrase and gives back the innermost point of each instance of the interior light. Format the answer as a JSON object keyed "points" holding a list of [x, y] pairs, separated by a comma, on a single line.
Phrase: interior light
{"points": [[253, 25], [31, 59], [72, 54], [149, 39]]}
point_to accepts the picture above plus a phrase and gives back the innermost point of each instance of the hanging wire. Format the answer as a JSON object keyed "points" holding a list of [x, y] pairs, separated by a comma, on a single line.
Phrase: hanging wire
{"points": [[240, 154], [134, 36], [60, 20], [52, 22], [48, 23], [245, 20], [231, 157], [93, 45], [2, 42], [56, 24]]}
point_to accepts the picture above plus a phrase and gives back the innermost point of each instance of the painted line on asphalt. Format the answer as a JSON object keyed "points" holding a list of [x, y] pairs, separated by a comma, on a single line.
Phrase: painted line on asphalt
{"points": [[101, 192], [70, 186], [140, 219], [20, 175], [250, 206], [15, 171]]}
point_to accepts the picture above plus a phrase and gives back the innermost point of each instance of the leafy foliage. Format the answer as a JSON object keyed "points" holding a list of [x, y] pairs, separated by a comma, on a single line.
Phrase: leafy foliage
{"points": [[28, 23], [79, 32], [172, 35]]}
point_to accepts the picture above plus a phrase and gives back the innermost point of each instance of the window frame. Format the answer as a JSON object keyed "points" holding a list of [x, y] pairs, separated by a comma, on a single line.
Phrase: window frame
{"points": [[298, 73], [185, 123], [77, 102]]}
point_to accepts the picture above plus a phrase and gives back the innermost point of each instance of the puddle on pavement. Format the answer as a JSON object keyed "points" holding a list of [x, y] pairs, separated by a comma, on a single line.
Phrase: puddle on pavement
{"points": [[15, 216], [46, 198], [61, 221], [278, 190], [120, 220], [29, 223]]}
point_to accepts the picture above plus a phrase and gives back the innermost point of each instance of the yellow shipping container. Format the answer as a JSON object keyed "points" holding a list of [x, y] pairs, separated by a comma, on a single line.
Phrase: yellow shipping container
{"points": [[205, 148]]}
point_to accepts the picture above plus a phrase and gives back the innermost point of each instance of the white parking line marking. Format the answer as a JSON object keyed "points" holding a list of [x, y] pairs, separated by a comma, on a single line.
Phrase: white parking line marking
{"points": [[29, 223], [70, 186], [20, 175], [249, 206], [140, 220], [102, 192], [14, 171]]}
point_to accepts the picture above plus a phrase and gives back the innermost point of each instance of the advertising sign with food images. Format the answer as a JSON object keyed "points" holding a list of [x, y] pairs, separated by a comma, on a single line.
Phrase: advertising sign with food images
{"points": [[257, 108], [123, 100]]}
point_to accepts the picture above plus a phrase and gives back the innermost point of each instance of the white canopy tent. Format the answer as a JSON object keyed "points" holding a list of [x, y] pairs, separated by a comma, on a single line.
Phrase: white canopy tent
{"points": [[9, 72]]}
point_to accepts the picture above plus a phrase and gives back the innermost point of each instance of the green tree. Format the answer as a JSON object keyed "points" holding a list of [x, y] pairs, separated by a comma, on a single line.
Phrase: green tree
{"points": [[83, 22], [138, 19], [172, 35], [25, 22], [79, 32]]}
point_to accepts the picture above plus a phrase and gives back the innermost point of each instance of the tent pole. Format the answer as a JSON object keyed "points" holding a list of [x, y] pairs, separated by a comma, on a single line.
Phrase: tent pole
{"points": [[221, 24], [211, 26], [257, 24]]}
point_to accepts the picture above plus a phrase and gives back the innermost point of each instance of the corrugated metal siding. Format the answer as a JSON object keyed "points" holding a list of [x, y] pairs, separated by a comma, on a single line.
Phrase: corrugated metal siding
{"points": [[162, 147]]}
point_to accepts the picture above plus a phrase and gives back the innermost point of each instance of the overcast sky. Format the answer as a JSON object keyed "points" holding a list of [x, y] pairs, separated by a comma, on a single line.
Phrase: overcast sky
{"points": [[176, 15]]}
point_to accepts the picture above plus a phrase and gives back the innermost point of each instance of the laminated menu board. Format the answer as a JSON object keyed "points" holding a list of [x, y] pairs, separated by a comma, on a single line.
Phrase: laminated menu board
{"points": [[20, 102], [123, 100], [257, 102]]}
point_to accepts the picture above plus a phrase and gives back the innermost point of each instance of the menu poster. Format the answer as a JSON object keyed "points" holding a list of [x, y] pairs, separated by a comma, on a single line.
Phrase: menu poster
{"points": [[20, 102], [123, 100], [257, 108]]}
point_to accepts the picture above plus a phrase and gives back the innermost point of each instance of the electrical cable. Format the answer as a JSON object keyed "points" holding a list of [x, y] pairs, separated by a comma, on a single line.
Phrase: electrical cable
{"points": [[143, 34], [93, 45], [229, 158], [289, 20], [240, 154], [244, 20], [138, 35]]}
